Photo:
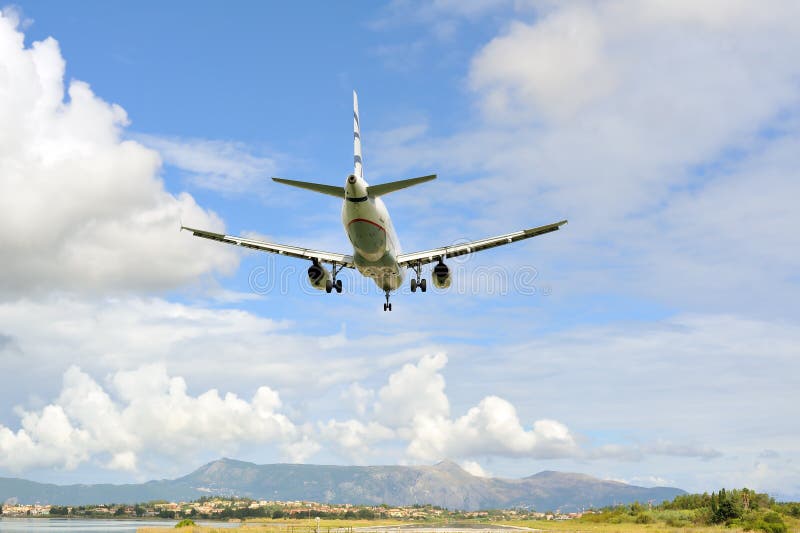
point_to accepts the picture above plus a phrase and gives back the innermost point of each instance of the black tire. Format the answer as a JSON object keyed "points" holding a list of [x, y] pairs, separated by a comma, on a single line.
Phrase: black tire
{"points": [[328, 286], [385, 306], [423, 285], [339, 286], [413, 285], [390, 307]]}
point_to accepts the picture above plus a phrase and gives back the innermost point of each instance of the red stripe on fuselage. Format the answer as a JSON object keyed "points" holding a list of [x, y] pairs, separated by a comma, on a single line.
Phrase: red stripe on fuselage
{"points": [[368, 222]]}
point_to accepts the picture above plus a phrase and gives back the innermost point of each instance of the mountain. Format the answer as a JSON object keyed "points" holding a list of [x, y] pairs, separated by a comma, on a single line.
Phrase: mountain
{"points": [[445, 484]]}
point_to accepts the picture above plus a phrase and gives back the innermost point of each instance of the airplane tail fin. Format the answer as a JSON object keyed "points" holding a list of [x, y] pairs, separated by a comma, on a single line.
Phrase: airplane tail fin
{"points": [[386, 188], [358, 168]]}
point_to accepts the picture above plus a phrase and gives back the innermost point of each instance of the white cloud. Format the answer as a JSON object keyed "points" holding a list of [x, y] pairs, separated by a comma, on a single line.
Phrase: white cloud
{"points": [[359, 397], [81, 209], [225, 166], [646, 481], [491, 428], [715, 389], [474, 468], [662, 447], [414, 408], [154, 414], [238, 348], [556, 64], [415, 391], [666, 132], [353, 439], [414, 405]]}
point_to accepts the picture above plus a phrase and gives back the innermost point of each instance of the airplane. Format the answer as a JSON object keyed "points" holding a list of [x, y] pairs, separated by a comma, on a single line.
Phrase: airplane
{"points": [[376, 249]]}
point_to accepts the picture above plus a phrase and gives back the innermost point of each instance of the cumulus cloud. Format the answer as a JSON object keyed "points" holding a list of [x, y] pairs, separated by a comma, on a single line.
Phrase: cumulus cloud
{"points": [[359, 397], [152, 414], [80, 208], [415, 391], [474, 468], [414, 407], [491, 428], [145, 414]]}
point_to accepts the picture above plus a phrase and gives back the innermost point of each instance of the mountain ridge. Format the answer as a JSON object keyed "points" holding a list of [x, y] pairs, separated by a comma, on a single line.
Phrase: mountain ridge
{"points": [[445, 484]]}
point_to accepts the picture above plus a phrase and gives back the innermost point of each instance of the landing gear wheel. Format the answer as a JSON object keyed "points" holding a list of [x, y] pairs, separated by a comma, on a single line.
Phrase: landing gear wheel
{"points": [[419, 281], [328, 286], [338, 285], [390, 307], [385, 307]]}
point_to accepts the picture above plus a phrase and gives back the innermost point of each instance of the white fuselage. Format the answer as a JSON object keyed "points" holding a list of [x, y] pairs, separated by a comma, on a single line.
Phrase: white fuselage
{"points": [[369, 228]]}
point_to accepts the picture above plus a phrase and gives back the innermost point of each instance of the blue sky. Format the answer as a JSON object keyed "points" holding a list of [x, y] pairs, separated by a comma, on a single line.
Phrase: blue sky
{"points": [[654, 340]]}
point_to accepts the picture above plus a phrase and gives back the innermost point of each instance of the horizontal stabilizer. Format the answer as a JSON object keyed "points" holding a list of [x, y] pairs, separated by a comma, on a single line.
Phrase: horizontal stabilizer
{"points": [[332, 190], [386, 188]]}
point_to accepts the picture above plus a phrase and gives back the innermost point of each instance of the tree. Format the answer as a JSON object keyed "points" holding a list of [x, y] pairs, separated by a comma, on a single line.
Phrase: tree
{"points": [[365, 514], [728, 507]]}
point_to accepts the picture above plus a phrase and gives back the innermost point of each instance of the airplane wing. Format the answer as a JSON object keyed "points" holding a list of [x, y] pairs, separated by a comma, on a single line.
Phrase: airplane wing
{"points": [[280, 249], [429, 256]]}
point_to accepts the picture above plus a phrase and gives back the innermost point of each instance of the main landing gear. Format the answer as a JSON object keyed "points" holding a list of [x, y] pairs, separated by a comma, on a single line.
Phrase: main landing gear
{"points": [[334, 283], [387, 306], [419, 281]]}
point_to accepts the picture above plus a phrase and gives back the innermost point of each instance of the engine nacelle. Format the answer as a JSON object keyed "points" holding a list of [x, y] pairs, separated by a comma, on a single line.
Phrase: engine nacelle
{"points": [[318, 275], [441, 276]]}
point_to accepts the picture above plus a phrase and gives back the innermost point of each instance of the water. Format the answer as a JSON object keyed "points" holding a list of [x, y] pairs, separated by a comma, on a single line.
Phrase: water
{"points": [[64, 525]]}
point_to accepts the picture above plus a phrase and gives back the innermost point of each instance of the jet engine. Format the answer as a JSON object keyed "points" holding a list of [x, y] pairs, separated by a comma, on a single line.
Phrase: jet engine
{"points": [[318, 275], [441, 276]]}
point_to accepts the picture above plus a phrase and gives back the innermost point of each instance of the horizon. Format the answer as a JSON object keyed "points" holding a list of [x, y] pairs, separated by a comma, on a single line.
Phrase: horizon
{"points": [[653, 340]]}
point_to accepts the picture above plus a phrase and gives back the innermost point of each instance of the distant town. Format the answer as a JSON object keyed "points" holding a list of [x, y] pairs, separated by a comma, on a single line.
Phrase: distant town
{"points": [[243, 508]]}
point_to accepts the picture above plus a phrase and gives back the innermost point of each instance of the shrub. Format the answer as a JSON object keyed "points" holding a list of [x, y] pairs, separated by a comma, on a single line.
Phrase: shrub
{"points": [[186, 522], [772, 523]]}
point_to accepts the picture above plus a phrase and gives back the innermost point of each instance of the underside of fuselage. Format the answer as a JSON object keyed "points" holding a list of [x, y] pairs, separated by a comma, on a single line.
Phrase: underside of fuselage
{"points": [[375, 248], [385, 272]]}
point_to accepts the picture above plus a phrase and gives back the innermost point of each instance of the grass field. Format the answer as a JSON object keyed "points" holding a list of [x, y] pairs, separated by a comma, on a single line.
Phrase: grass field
{"points": [[576, 526], [583, 526], [283, 526]]}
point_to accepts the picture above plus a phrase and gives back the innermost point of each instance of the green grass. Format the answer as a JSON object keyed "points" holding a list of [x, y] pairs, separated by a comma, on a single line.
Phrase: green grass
{"points": [[663, 522]]}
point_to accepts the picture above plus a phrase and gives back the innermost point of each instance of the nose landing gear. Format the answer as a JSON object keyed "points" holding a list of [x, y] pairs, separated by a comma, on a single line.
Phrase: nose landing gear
{"points": [[387, 306]]}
